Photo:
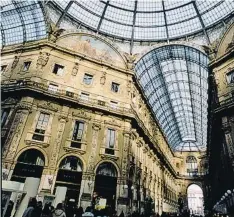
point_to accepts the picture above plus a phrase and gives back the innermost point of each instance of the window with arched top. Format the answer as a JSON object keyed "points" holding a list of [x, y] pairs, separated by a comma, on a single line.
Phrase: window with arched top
{"points": [[191, 164], [32, 156], [71, 163], [29, 164], [106, 169]]}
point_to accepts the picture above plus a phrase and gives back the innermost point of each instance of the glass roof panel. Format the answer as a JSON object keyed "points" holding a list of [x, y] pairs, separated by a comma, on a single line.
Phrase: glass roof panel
{"points": [[21, 22], [152, 18], [177, 93]]}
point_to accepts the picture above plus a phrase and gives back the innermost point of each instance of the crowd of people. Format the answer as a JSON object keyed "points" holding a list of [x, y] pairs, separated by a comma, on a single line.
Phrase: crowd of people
{"points": [[35, 209]]}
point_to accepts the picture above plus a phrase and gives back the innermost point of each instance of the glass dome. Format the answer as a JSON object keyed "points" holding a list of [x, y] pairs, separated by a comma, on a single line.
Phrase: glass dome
{"points": [[146, 20]]}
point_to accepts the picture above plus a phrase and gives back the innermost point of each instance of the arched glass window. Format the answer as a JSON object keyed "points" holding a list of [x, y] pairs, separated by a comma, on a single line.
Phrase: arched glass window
{"points": [[32, 156], [107, 169], [71, 163], [191, 162]]}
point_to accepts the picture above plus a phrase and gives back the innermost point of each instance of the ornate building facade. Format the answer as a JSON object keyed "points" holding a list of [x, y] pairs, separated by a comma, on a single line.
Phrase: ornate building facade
{"points": [[74, 120], [117, 112], [220, 146]]}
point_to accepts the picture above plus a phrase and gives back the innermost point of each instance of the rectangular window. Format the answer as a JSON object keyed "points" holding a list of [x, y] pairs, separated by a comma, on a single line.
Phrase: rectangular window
{"points": [[4, 115], [41, 127], [230, 77], [77, 134], [84, 96], [114, 87], [87, 79], [113, 104], [53, 88], [3, 68], [26, 65], [58, 69], [110, 138]]}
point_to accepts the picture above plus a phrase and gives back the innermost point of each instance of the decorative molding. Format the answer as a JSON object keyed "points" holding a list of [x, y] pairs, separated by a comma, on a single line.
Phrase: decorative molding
{"points": [[109, 157], [9, 100], [112, 121], [47, 105], [74, 150], [42, 60], [37, 143], [81, 114]]}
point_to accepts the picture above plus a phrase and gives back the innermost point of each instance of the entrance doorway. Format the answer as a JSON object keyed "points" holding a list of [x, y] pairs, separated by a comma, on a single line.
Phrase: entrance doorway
{"points": [[29, 164], [70, 176], [106, 183], [195, 200]]}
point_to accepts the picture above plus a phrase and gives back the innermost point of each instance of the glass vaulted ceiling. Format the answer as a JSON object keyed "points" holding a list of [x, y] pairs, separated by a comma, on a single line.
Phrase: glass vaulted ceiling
{"points": [[146, 20], [174, 81], [21, 21]]}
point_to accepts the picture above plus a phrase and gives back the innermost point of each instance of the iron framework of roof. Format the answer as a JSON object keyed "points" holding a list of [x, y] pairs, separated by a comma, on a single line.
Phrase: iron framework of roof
{"points": [[174, 81]]}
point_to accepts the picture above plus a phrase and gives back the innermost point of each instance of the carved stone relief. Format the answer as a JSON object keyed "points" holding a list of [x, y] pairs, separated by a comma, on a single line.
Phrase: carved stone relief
{"points": [[103, 78], [125, 154], [42, 60], [91, 161], [75, 69], [15, 134], [57, 143]]}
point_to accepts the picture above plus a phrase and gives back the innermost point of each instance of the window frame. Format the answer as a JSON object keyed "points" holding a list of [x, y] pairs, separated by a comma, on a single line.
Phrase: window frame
{"points": [[77, 142], [5, 69], [39, 133], [24, 65], [58, 67], [231, 80], [84, 94], [86, 79], [109, 149], [113, 84]]}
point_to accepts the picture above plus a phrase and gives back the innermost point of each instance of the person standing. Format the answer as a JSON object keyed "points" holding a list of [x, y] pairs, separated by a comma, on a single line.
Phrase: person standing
{"points": [[31, 206], [59, 211]]}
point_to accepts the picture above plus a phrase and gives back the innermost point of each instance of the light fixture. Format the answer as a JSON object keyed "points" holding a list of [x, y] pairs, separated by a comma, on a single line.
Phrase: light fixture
{"points": [[226, 194], [229, 192], [132, 188]]}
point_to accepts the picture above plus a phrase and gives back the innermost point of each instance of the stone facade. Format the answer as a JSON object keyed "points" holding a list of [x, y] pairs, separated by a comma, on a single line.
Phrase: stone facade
{"points": [[221, 127]]}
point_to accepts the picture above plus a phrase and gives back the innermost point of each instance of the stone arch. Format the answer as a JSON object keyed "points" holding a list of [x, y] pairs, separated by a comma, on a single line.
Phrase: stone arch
{"points": [[195, 197], [32, 147], [108, 161], [225, 40], [120, 57], [84, 166]]}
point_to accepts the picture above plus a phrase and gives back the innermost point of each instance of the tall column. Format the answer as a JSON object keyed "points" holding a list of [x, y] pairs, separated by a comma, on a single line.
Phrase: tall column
{"points": [[88, 178], [56, 147], [122, 185], [31, 187], [14, 136]]}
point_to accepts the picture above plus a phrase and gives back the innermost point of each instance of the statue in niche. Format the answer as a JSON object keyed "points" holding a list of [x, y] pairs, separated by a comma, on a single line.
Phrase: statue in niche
{"points": [[75, 69], [15, 62], [103, 78]]}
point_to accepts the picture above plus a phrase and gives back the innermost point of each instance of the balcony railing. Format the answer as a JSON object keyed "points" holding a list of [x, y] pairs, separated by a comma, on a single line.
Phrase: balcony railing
{"points": [[42, 85]]}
